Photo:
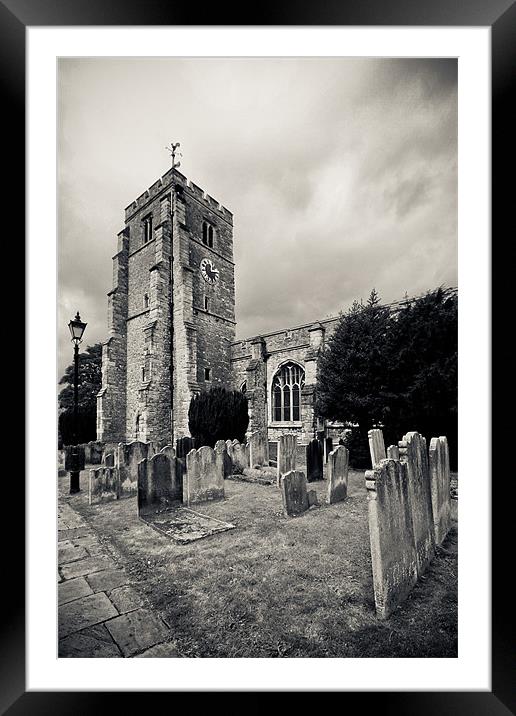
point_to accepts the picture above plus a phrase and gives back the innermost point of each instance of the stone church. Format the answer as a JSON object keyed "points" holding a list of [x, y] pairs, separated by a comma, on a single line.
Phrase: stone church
{"points": [[171, 319]]}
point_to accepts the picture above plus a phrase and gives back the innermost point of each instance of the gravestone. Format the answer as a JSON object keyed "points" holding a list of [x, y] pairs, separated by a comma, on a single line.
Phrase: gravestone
{"points": [[413, 452], [103, 485], [227, 463], [109, 459], [376, 446], [239, 455], [74, 458], [128, 456], [158, 487], [95, 449], [61, 459], [258, 449], [183, 446], [294, 493], [338, 465], [393, 551], [314, 461], [287, 447], [439, 463], [393, 452], [204, 477]]}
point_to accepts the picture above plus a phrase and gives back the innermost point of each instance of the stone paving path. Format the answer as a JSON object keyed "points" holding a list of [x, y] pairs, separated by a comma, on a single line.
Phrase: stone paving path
{"points": [[100, 613]]}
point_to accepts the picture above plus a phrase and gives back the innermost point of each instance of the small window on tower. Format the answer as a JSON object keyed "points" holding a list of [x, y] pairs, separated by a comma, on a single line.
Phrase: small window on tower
{"points": [[143, 374], [206, 303], [204, 232], [147, 228], [210, 236], [146, 300], [207, 374]]}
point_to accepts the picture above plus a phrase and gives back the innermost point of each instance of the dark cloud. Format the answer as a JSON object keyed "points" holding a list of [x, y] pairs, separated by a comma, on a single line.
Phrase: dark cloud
{"points": [[341, 173]]}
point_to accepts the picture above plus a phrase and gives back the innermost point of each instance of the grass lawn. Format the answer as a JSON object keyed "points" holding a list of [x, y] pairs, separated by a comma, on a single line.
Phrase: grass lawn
{"points": [[278, 587]]}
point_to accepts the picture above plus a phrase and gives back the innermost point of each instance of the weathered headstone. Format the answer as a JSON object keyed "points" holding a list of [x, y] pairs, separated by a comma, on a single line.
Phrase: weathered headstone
{"points": [[95, 452], [393, 452], [376, 446], [183, 446], [239, 456], [287, 447], [204, 477], [413, 452], [128, 456], [157, 484], [314, 461], [439, 462], [393, 552], [221, 447], [338, 465], [258, 449], [109, 459], [103, 485], [294, 493]]}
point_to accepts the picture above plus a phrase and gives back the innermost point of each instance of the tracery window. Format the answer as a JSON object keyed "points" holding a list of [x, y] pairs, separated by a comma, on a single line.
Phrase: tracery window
{"points": [[286, 393]]}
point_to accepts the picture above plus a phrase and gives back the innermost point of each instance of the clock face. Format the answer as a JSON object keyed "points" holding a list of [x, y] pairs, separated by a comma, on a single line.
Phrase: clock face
{"points": [[208, 271]]}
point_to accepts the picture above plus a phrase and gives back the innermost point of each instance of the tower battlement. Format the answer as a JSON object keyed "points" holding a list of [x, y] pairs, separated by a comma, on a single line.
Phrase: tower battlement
{"points": [[174, 177]]}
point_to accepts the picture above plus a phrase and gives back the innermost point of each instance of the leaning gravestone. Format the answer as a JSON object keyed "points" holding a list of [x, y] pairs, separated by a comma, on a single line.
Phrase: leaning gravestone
{"points": [[376, 446], [128, 457], [413, 452], [258, 449], [294, 493], [157, 484], [204, 477], [222, 449], [338, 465], [314, 461], [439, 462], [103, 485], [393, 552], [287, 447]]}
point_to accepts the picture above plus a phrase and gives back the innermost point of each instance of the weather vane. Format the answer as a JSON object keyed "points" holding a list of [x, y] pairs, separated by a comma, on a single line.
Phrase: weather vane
{"points": [[172, 150]]}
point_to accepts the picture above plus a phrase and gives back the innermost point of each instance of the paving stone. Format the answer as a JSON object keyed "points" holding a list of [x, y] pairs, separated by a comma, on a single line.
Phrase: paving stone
{"points": [[107, 580], [86, 566], [68, 552], [137, 630], [93, 641], [73, 533], [160, 651], [73, 589], [84, 612], [125, 599]]}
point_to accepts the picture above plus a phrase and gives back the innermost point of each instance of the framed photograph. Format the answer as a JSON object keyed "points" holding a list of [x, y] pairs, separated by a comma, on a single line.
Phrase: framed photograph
{"points": [[232, 230]]}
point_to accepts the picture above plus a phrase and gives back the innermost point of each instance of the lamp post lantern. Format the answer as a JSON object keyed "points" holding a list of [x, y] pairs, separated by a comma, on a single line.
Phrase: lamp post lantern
{"points": [[76, 327]]}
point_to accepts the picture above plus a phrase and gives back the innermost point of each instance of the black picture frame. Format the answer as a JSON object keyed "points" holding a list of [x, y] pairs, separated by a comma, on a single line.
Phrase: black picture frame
{"points": [[500, 15]]}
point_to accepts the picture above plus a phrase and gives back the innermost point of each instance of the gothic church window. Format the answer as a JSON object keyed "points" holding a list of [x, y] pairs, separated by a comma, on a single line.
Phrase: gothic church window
{"points": [[208, 234], [286, 393], [147, 228]]}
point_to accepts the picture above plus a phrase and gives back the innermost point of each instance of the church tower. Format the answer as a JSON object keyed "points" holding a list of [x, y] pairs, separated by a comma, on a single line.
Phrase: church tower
{"points": [[171, 312]]}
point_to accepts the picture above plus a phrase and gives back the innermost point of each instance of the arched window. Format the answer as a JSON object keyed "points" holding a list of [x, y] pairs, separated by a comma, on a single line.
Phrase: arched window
{"points": [[286, 393], [208, 234]]}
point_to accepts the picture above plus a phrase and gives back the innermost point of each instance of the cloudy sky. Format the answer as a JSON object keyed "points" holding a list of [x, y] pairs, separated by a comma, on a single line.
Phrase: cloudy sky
{"points": [[341, 174]]}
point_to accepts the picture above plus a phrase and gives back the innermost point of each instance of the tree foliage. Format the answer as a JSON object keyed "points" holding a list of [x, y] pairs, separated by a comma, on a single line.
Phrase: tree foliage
{"points": [[90, 381], [397, 370], [218, 414]]}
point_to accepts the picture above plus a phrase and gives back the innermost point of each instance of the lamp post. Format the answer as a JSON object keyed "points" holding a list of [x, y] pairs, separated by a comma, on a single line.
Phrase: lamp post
{"points": [[76, 327]]}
